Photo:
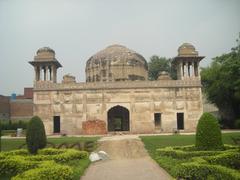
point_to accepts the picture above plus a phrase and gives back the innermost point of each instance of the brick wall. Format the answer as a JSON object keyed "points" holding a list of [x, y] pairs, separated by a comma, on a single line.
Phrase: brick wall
{"points": [[4, 107], [93, 127], [21, 109]]}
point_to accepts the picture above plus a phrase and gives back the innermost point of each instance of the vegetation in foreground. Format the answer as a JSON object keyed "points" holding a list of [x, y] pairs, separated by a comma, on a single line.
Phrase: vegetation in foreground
{"points": [[14, 143], [49, 163], [182, 151], [36, 136]]}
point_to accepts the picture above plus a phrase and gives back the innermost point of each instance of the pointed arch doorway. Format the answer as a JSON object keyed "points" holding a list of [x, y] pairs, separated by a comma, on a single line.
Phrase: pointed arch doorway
{"points": [[118, 119]]}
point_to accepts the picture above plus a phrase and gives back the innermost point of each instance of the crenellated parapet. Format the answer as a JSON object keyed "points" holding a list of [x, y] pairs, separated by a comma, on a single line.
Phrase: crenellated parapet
{"points": [[117, 85]]}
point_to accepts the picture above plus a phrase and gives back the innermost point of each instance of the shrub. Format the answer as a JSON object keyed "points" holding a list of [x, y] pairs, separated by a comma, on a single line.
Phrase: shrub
{"points": [[13, 125], [181, 154], [228, 159], [14, 165], [208, 135], [36, 136], [237, 124], [198, 171], [58, 155], [47, 171], [20, 152]]}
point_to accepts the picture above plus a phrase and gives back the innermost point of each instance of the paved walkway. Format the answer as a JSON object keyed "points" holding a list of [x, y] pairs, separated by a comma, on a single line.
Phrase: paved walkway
{"points": [[128, 161]]}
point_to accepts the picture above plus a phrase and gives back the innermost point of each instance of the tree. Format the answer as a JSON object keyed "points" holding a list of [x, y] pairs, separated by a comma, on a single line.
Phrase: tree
{"points": [[35, 136], [158, 64], [208, 135], [221, 82]]}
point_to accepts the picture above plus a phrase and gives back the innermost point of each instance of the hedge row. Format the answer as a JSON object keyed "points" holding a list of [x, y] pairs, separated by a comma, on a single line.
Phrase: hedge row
{"points": [[15, 165], [13, 125], [66, 155], [198, 171], [228, 159], [48, 170], [180, 154], [203, 165], [18, 161]]}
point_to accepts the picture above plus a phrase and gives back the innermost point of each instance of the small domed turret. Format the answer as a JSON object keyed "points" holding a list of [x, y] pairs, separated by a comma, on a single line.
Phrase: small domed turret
{"points": [[45, 50], [186, 50]]}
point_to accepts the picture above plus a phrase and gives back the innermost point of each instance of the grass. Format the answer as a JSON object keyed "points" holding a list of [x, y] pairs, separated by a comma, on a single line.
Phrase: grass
{"points": [[14, 143], [152, 143], [78, 167]]}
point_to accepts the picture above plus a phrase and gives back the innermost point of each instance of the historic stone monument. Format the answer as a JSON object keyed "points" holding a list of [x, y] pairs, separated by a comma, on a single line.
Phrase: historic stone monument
{"points": [[117, 95]]}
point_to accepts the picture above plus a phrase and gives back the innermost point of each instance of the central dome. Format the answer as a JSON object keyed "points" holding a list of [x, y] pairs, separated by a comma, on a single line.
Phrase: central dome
{"points": [[116, 63]]}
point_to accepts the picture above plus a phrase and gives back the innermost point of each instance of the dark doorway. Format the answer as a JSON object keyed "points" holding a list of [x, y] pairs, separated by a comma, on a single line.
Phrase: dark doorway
{"points": [[56, 124], [180, 121], [118, 119], [157, 120]]}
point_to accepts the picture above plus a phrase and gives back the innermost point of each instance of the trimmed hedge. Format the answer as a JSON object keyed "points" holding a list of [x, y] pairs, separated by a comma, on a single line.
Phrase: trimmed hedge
{"points": [[181, 154], [13, 125], [198, 171], [18, 161], [15, 164], [208, 135], [228, 159], [202, 165], [60, 155], [47, 171]]}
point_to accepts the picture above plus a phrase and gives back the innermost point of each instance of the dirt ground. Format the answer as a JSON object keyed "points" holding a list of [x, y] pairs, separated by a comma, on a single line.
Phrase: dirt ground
{"points": [[128, 160]]}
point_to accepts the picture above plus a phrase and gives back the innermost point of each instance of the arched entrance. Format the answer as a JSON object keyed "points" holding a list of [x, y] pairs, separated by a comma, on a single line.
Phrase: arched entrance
{"points": [[118, 119]]}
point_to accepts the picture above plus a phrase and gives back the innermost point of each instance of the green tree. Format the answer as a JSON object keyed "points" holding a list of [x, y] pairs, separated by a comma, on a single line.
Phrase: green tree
{"points": [[158, 64], [35, 136], [221, 82]]}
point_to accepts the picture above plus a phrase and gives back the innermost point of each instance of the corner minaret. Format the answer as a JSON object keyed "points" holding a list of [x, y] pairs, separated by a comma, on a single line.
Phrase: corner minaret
{"points": [[187, 62], [45, 65]]}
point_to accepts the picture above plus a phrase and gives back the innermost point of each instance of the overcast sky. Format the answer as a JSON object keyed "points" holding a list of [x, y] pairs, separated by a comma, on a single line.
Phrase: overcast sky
{"points": [[77, 29]]}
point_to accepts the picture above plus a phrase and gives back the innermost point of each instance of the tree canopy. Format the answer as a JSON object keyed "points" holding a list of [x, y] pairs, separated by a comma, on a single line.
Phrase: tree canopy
{"points": [[158, 64], [221, 82]]}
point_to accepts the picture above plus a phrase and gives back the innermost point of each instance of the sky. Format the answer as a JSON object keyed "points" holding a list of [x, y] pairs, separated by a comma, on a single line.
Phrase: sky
{"points": [[77, 29]]}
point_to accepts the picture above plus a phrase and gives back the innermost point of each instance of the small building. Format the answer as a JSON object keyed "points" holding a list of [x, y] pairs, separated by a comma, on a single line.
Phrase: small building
{"points": [[117, 95]]}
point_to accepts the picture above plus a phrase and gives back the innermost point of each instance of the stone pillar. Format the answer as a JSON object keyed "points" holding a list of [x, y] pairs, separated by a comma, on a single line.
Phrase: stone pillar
{"points": [[46, 71], [40, 73], [196, 69], [36, 73], [193, 71], [180, 70], [184, 70], [54, 73]]}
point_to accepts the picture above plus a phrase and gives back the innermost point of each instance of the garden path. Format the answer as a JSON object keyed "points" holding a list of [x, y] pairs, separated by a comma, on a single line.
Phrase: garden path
{"points": [[128, 161]]}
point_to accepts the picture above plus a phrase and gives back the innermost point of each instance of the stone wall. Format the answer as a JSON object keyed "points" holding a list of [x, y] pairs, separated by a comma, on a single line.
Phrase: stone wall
{"points": [[79, 102]]}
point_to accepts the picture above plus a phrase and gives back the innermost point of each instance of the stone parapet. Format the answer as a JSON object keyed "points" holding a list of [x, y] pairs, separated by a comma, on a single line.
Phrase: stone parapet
{"points": [[48, 86]]}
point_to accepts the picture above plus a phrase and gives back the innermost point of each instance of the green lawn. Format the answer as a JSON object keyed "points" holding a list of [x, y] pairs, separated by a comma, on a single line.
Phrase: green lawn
{"points": [[154, 142], [11, 144]]}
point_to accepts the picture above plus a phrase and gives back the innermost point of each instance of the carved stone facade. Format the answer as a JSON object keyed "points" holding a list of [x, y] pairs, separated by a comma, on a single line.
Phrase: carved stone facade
{"points": [[131, 105]]}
